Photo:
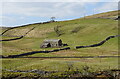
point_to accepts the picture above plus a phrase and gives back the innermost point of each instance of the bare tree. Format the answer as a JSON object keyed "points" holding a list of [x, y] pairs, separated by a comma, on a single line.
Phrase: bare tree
{"points": [[52, 19], [57, 30]]}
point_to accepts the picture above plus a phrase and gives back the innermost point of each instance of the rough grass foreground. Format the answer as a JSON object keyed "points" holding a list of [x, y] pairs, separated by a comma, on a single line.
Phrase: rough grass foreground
{"points": [[60, 68], [70, 74]]}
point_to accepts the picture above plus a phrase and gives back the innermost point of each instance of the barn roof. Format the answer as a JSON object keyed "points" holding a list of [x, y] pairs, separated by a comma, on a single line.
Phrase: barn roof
{"points": [[52, 40], [46, 44]]}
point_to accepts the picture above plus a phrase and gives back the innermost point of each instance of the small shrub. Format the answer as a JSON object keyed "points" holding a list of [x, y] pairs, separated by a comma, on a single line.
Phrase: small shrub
{"points": [[76, 29], [58, 31]]}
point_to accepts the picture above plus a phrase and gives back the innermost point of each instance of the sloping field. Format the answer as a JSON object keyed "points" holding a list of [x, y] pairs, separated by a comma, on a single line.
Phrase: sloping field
{"points": [[78, 32], [74, 33]]}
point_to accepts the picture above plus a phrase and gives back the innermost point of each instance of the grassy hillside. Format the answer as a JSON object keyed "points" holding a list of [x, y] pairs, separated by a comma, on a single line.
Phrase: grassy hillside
{"points": [[111, 14], [89, 31], [83, 31]]}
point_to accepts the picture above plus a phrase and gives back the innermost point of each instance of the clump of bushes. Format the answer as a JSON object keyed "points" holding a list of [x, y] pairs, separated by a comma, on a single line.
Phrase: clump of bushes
{"points": [[58, 31], [76, 29]]}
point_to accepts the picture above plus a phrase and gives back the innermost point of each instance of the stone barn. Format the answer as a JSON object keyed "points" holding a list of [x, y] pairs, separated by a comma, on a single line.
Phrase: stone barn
{"points": [[51, 43], [117, 18]]}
